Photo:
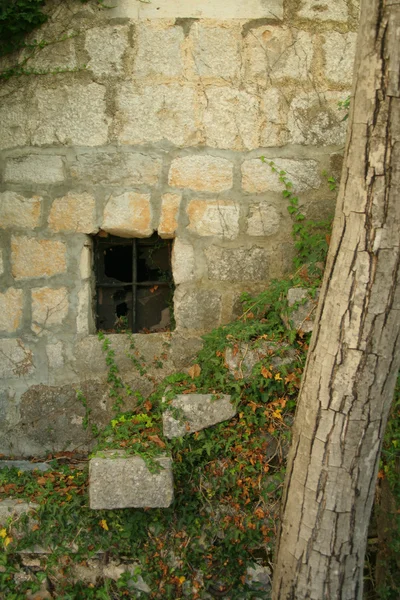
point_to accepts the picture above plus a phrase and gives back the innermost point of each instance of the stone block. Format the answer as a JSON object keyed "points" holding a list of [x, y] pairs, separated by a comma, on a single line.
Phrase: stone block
{"points": [[12, 508], [238, 264], [197, 309], [159, 50], [231, 118], [183, 262], [36, 168], [83, 318], [201, 173], [302, 318], [315, 119], [35, 257], [71, 114], [339, 50], [85, 262], [17, 211], [17, 360], [207, 9], [1, 262], [197, 411], [106, 58], [258, 177], [118, 480], [168, 224], [11, 303], [325, 11], [274, 111], [263, 220], [122, 168], [241, 360], [55, 356], [49, 307], [23, 465], [216, 50], [214, 218], [156, 112], [14, 131], [274, 53], [61, 55], [128, 215], [74, 212]]}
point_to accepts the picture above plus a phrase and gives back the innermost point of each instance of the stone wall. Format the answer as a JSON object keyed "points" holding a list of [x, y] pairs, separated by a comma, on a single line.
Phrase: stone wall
{"points": [[152, 117]]}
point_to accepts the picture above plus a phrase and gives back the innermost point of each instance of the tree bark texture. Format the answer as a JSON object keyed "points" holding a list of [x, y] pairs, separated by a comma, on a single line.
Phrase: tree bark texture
{"points": [[354, 354]]}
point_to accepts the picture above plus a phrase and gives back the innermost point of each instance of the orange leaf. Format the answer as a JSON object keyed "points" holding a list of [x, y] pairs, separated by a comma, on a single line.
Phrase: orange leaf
{"points": [[157, 441], [194, 371], [41, 480], [266, 373], [148, 405], [35, 527]]}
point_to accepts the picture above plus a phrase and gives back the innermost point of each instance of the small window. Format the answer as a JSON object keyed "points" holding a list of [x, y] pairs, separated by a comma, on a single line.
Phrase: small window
{"points": [[134, 284]]}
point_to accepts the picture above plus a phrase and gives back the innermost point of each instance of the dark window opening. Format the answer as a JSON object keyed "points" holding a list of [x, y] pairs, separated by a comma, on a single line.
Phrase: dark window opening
{"points": [[134, 284]]}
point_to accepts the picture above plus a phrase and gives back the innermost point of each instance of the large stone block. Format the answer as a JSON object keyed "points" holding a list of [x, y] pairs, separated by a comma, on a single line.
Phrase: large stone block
{"points": [[11, 303], [118, 480], [71, 114], [128, 215], [274, 111], [183, 262], [16, 359], [74, 212], [214, 217], [258, 177], [36, 168], [216, 50], [231, 118], [197, 309], [159, 50], [238, 264], [200, 9], [263, 220], [122, 168], [339, 50], [107, 58], [315, 119], [197, 411], [326, 11], [49, 307], [168, 224], [274, 53], [201, 173], [17, 211], [35, 257], [156, 112]]}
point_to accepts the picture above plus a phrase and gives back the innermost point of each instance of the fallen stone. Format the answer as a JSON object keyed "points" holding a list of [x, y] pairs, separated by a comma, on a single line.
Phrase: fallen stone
{"points": [[11, 508], [197, 411], [241, 360], [24, 465], [302, 318], [118, 480]]}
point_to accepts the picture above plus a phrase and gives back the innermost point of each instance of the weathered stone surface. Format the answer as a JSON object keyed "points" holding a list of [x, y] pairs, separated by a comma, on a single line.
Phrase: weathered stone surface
{"points": [[274, 53], [55, 356], [1, 262], [16, 359], [13, 120], [61, 55], [241, 360], [216, 50], [339, 50], [303, 316], [231, 118], [123, 168], [23, 465], [17, 211], [168, 224], [11, 310], [156, 112], [198, 412], [35, 168], [118, 480], [258, 177], [106, 58], [259, 578], [274, 110], [207, 9], [201, 173], [325, 11], [14, 508], [85, 261], [49, 307], [74, 212], [214, 217], [237, 264], [128, 215], [197, 309], [159, 50], [263, 220], [315, 119], [71, 114], [183, 262], [34, 257], [83, 318]]}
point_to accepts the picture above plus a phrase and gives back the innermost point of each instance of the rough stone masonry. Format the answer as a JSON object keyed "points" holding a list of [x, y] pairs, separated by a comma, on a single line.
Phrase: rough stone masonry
{"points": [[152, 117]]}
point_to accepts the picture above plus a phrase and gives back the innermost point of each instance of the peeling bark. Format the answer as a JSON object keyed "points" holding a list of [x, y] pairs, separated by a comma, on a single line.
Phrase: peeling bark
{"points": [[354, 353]]}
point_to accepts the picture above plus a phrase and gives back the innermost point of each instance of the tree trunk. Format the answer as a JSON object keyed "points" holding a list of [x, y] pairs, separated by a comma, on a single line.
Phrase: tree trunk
{"points": [[354, 353]]}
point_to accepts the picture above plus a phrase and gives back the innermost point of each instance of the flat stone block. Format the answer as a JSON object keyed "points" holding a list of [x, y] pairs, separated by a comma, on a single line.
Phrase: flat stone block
{"points": [[159, 50], [17, 211], [168, 224], [214, 218], [258, 176], [197, 309], [201, 9], [123, 168], [303, 317], [33, 257], [118, 480], [183, 261], [315, 119], [106, 59], [14, 508], [339, 50], [23, 465], [201, 173], [11, 310], [238, 264], [49, 307], [74, 212], [34, 169], [324, 11], [216, 50], [128, 215], [16, 359], [263, 220], [198, 412]]}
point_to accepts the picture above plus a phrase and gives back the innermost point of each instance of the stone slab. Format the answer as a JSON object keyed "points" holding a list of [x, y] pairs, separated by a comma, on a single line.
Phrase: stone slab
{"points": [[24, 465], [198, 412], [14, 508], [117, 480], [302, 317]]}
